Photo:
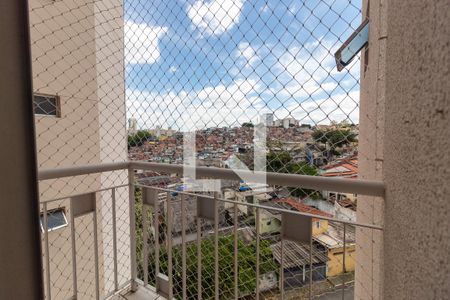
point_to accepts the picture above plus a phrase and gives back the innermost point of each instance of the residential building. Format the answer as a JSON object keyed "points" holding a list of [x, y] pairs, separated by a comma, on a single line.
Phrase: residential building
{"points": [[160, 132], [132, 126], [286, 122], [270, 221], [297, 261], [71, 62], [248, 195], [332, 241], [341, 168], [267, 119], [330, 236]]}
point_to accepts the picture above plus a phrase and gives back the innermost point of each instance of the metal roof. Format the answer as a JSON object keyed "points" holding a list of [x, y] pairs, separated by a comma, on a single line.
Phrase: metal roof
{"points": [[297, 254]]}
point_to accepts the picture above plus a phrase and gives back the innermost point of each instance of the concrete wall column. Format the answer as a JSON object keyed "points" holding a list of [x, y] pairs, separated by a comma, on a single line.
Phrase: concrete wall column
{"points": [[20, 253], [369, 263], [416, 167]]}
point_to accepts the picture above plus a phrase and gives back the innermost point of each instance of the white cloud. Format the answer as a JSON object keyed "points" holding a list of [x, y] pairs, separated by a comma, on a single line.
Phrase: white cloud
{"points": [[215, 17], [173, 69], [293, 8], [222, 105], [246, 52], [265, 8], [338, 107], [308, 71], [141, 43], [308, 90], [232, 105]]}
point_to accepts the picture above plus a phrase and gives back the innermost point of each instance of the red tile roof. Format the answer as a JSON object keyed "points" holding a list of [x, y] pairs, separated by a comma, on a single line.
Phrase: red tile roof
{"points": [[304, 208], [351, 165]]}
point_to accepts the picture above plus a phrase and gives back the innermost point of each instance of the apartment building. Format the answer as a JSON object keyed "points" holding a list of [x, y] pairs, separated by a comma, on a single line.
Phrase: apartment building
{"points": [[78, 82]]}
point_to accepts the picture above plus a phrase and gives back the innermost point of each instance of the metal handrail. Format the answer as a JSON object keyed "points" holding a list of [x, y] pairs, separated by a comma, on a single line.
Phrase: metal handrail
{"points": [[356, 186], [372, 188], [54, 173]]}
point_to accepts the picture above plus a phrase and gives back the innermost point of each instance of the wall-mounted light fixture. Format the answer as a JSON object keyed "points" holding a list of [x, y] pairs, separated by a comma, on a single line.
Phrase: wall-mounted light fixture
{"points": [[358, 40]]}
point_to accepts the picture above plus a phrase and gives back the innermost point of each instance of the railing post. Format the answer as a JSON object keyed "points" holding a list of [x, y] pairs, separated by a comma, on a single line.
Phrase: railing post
{"points": [[145, 242], [216, 246], [47, 254], [282, 269], [114, 222], [311, 265], [132, 209], [199, 258], [157, 246], [257, 223], [96, 259], [343, 266], [235, 256], [183, 245], [169, 245], [74, 251]]}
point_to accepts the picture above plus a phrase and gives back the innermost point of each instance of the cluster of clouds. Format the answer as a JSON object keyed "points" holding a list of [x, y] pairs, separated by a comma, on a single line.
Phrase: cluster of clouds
{"points": [[221, 105], [231, 105], [305, 78], [215, 17], [248, 54], [210, 18], [141, 43]]}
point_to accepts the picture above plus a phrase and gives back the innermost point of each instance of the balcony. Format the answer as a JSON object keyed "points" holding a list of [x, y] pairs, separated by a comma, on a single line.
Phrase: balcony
{"points": [[98, 93], [97, 243]]}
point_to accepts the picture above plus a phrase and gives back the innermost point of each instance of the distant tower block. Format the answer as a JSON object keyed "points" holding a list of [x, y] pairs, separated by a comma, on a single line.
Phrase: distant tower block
{"points": [[132, 125], [267, 119]]}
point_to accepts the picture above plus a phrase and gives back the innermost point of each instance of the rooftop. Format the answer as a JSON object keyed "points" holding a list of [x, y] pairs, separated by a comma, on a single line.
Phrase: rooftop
{"points": [[347, 168], [293, 204], [333, 237], [297, 254]]}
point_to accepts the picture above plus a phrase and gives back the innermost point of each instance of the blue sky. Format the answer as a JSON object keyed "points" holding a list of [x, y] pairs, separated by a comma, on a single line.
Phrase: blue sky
{"points": [[196, 64]]}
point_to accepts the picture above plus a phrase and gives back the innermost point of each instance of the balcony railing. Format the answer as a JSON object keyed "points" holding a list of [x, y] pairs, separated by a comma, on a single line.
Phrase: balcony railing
{"points": [[161, 240]]}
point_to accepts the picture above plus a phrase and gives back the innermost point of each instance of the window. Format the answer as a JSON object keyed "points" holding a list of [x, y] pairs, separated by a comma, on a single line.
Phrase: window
{"points": [[249, 199], [47, 105], [56, 219], [317, 224]]}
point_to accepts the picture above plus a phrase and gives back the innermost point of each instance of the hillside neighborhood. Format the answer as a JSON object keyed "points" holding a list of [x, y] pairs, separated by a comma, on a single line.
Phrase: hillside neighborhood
{"points": [[292, 148]]}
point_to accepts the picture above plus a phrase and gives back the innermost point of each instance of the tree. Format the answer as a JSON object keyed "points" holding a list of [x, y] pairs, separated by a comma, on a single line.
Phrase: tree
{"points": [[246, 262], [282, 162], [246, 267], [334, 138], [304, 169], [248, 124], [138, 139], [278, 162]]}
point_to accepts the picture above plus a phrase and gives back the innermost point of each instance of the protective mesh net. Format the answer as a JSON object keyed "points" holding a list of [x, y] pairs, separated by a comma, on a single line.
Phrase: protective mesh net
{"points": [[247, 243], [118, 81], [219, 67], [214, 67]]}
